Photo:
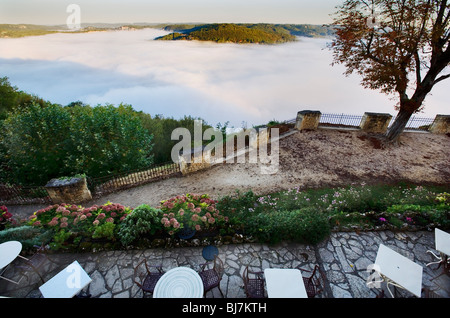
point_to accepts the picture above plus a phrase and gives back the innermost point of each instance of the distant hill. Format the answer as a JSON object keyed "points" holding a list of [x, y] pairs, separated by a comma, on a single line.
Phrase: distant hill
{"points": [[22, 30], [245, 33], [219, 32]]}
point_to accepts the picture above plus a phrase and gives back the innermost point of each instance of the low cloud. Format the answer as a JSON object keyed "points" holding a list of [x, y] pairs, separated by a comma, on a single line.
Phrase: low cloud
{"points": [[218, 82]]}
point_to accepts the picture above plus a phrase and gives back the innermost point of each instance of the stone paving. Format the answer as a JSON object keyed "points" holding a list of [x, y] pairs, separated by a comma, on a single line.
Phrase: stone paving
{"points": [[343, 257]]}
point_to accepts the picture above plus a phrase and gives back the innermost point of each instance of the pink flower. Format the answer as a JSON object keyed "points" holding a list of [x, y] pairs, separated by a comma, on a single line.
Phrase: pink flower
{"points": [[211, 220], [63, 224], [197, 227], [110, 220], [101, 216], [37, 223], [198, 210], [203, 218], [113, 214], [96, 222], [83, 217], [170, 205], [176, 225], [194, 217], [191, 205], [53, 222], [164, 220], [167, 224]]}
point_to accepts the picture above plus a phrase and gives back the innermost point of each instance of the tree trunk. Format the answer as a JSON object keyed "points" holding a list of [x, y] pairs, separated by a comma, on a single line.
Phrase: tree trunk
{"points": [[399, 125]]}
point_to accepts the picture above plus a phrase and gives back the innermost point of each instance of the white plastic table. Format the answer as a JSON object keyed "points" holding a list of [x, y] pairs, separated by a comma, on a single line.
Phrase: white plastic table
{"points": [[179, 282], [9, 251], [67, 283], [442, 242], [399, 270], [284, 283]]}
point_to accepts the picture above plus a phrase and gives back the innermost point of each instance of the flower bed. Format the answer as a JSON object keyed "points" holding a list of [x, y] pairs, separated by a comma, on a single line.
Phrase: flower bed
{"points": [[191, 211], [6, 219], [292, 215]]}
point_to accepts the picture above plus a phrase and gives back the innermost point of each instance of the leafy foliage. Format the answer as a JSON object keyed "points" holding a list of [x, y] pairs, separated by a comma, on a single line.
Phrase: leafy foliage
{"points": [[48, 142], [306, 225], [144, 220]]}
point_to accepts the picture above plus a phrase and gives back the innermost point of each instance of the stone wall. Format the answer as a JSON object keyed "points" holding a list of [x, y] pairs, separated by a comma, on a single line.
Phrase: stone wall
{"points": [[375, 122], [193, 166], [73, 190], [307, 120], [441, 124]]}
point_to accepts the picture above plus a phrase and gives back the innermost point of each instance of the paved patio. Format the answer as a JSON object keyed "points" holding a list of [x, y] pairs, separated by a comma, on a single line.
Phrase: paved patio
{"points": [[344, 258]]}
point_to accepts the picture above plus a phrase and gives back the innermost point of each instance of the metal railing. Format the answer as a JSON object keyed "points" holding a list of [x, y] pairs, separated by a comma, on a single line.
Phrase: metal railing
{"points": [[417, 123], [340, 120], [354, 121]]}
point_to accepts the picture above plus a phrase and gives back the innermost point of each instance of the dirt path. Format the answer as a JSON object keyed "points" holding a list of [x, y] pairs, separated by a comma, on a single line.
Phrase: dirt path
{"points": [[310, 159]]}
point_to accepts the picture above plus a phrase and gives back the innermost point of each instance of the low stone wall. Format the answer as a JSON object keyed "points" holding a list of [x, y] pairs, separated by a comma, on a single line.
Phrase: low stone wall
{"points": [[441, 124], [375, 122], [73, 190], [307, 120], [193, 166]]}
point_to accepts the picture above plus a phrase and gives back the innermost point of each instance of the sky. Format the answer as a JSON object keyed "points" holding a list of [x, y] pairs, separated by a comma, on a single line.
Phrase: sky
{"points": [[53, 12], [217, 82]]}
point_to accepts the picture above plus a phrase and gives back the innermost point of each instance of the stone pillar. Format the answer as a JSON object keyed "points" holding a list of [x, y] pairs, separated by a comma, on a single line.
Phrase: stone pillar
{"points": [[307, 119], [68, 191], [375, 122], [441, 124]]}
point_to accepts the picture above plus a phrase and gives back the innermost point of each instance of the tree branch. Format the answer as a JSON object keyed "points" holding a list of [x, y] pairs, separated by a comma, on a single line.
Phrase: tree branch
{"points": [[443, 77]]}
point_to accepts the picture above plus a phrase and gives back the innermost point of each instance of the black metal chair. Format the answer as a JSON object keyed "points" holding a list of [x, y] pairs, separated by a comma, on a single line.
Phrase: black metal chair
{"points": [[211, 277], [254, 283], [314, 284], [145, 278], [34, 263]]}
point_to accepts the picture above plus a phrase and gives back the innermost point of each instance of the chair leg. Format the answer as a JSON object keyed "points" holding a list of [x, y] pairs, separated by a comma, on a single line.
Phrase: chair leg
{"points": [[221, 291]]}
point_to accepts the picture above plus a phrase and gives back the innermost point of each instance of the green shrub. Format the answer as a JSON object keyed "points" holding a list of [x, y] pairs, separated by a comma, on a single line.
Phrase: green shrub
{"points": [[62, 141], [238, 208], [144, 220], [106, 230], [306, 225], [27, 235]]}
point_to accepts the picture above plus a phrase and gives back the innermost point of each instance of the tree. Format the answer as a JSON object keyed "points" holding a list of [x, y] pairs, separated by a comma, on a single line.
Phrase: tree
{"points": [[400, 47], [41, 143]]}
